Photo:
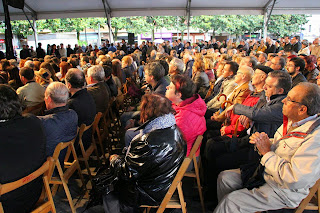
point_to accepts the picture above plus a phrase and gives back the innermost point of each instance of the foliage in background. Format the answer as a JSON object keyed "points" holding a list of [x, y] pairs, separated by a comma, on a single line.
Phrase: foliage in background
{"points": [[285, 25], [279, 25]]}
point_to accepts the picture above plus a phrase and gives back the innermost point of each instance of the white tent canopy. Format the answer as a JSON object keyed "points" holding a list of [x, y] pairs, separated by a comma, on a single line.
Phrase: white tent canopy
{"points": [[50, 9]]}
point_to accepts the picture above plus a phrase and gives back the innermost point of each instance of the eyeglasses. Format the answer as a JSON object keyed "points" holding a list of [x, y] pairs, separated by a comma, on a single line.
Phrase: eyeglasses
{"points": [[289, 99], [274, 63], [290, 65]]}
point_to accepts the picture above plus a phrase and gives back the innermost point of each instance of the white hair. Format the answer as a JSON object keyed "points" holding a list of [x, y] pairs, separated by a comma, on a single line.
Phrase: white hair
{"points": [[58, 92], [96, 72], [153, 53], [29, 64], [176, 62], [187, 56]]}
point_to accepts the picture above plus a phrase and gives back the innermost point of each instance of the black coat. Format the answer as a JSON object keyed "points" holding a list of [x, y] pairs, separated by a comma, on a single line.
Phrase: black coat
{"points": [[69, 51], [270, 49], [297, 79], [112, 86], [83, 103], [150, 166], [25, 53], [40, 52], [100, 95], [22, 151], [296, 47]]}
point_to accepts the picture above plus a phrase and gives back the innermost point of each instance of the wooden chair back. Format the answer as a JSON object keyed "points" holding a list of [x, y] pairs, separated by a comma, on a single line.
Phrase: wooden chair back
{"points": [[42, 205], [86, 153], [176, 183], [100, 129], [195, 174], [36, 110], [64, 176], [306, 204]]}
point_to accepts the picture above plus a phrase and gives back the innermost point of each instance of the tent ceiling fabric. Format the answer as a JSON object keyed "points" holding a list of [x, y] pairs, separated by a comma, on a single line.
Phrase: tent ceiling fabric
{"points": [[49, 9]]}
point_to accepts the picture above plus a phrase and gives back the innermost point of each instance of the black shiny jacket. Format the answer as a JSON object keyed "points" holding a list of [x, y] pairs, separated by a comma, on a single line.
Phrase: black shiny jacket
{"points": [[150, 166]]}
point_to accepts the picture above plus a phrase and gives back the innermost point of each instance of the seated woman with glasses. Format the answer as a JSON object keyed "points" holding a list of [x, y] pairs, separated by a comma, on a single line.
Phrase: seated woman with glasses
{"points": [[152, 159]]}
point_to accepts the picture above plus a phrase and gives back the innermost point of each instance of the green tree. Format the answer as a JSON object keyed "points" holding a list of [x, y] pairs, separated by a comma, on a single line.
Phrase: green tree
{"points": [[206, 23], [20, 28], [180, 23], [118, 23], [286, 25], [137, 24]]}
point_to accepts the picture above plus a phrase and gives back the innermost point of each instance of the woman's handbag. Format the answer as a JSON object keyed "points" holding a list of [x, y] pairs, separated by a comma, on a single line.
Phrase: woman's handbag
{"points": [[252, 175], [103, 183]]}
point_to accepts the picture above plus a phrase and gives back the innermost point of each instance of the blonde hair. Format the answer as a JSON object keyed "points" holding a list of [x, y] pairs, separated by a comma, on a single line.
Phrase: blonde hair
{"points": [[208, 63], [198, 65], [127, 60]]}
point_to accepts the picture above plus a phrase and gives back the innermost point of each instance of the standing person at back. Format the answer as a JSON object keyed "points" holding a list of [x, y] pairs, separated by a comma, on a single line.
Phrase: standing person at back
{"points": [[40, 52]]}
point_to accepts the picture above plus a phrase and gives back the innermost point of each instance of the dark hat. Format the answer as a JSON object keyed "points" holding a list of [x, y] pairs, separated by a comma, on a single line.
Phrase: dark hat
{"points": [[264, 68]]}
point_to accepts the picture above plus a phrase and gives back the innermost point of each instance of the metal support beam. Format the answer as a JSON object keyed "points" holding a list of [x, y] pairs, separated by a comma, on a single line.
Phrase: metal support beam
{"points": [[35, 33], [266, 17], [8, 31], [188, 18], [32, 11], [33, 25], [107, 11], [99, 36]]}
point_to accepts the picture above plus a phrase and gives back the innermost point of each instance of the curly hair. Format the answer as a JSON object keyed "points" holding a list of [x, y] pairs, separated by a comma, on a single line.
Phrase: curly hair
{"points": [[153, 106], [199, 65]]}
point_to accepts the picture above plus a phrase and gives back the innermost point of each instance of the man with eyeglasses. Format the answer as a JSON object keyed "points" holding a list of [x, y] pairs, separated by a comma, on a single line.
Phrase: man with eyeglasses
{"points": [[294, 67], [278, 63], [291, 160], [228, 85]]}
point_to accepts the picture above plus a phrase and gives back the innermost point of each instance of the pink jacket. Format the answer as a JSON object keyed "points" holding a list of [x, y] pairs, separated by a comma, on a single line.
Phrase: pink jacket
{"points": [[190, 119]]}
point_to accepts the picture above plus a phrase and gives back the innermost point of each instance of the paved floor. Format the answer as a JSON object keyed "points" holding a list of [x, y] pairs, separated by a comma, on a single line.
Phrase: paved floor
{"points": [[62, 205]]}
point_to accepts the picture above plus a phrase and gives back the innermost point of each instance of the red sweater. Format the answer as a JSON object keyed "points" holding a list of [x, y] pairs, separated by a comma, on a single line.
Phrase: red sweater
{"points": [[229, 130], [190, 119]]}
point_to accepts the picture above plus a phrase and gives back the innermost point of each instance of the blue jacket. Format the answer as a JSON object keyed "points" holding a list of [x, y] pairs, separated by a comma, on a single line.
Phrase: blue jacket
{"points": [[161, 87], [188, 68], [60, 125], [267, 116]]}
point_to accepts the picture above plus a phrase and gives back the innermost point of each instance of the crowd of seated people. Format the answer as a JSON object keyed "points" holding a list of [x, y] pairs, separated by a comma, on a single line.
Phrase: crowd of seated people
{"points": [[249, 101]]}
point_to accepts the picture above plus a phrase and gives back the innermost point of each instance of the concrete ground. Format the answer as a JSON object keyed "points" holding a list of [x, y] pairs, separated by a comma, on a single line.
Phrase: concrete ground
{"points": [[62, 205]]}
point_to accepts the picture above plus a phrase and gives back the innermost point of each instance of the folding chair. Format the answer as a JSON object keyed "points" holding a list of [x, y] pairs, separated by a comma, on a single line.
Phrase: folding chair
{"points": [[115, 126], [36, 110], [167, 201], [71, 167], [306, 204], [195, 173], [93, 146], [42, 205], [102, 132]]}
